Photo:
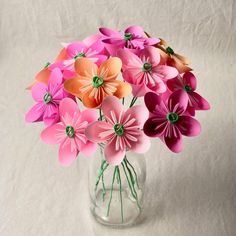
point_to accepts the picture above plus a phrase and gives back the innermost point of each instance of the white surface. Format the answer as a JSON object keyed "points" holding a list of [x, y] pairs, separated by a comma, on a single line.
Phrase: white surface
{"points": [[189, 194]]}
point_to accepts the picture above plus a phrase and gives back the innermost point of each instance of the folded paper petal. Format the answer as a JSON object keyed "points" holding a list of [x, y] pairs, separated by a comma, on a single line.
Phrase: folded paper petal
{"points": [[123, 89], [53, 134], [175, 144], [38, 91], [109, 32], [150, 54], [85, 67], [66, 154], [178, 102], [198, 102], [152, 100], [89, 148], [155, 127], [190, 79], [35, 113], [68, 106], [188, 126], [142, 145]]}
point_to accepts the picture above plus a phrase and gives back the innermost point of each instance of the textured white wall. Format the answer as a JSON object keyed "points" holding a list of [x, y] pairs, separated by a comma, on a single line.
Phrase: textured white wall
{"points": [[190, 194]]}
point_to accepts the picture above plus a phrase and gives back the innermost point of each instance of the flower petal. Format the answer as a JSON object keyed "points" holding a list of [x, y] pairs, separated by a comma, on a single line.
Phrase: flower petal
{"points": [[123, 89], [55, 79], [74, 48], [38, 91], [178, 102], [152, 100], [190, 79], [73, 86], [85, 67], [68, 106], [167, 72], [35, 113], [151, 55], [53, 134], [155, 127], [175, 84], [89, 115], [62, 55], [142, 145], [89, 148], [188, 126], [109, 32], [198, 102], [135, 30], [43, 76], [174, 143]]}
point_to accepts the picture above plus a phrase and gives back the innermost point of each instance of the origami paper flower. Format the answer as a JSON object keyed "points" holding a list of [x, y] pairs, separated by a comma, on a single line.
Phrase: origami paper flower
{"points": [[171, 58], [188, 83], [121, 131], [47, 98], [69, 133], [144, 72], [133, 37], [93, 84], [167, 120]]}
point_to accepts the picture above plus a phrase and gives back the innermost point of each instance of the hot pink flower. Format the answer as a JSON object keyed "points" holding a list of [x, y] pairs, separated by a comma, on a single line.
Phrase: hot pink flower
{"points": [[121, 131], [188, 83], [144, 72], [70, 132], [167, 120], [47, 98]]}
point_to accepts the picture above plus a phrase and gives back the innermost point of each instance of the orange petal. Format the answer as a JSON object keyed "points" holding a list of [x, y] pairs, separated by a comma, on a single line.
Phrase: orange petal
{"points": [[73, 86], [43, 76], [29, 87], [85, 67], [164, 56], [90, 101], [183, 59], [123, 89], [110, 67], [178, 65], [62, 55]]}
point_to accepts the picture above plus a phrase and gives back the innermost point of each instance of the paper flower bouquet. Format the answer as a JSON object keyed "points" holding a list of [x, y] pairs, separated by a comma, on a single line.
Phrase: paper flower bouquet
{"points": [[99, 73]]}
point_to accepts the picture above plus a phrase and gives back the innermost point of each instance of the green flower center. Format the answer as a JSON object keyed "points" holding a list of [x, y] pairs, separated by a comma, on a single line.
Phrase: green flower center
{"points": [[172, 117], [127, 36], [119, 129], [187, 88], [81, 54], [97, 81], [70, 132], [46, 65], [147, 67], [170, 50], [47, 98]]}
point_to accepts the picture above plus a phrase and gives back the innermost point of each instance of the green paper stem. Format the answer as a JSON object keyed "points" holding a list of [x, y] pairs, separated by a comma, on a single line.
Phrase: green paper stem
{"points": [[121, 201], [104, 165], [134, 99], [136, 177]]}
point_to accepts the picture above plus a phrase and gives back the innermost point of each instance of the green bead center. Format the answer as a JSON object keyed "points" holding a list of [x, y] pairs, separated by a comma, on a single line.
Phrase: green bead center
{"points": [[119, 129], [187, 88], [172, 117], [97, 81], [46, 65], [70, 132], [127, 36], [81, 54], [147, 67], [47, 98], [170, 50]]}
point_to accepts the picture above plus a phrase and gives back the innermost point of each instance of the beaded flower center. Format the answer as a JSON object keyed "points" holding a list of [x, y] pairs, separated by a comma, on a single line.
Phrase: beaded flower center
{"points": [[172, 117], [187, 88], [147, 67], [47, 98], [119, 129], [127, 36], [81, 54], [97, 81], [170, 50], [70, 132]]}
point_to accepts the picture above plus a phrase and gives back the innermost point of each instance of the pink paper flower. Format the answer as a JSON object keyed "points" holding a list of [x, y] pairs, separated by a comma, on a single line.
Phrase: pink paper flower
{"points": [[188, 83], [167, 120], [47, 98], [121, 131], [69, 133], [144, 72], [133, 37]]}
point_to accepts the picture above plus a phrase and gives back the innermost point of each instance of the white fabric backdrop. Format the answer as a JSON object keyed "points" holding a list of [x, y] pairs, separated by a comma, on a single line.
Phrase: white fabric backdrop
{"points": [[193, 193]]}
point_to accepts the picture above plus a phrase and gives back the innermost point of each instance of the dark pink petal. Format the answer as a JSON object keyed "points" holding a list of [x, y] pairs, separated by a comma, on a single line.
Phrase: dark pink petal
{"points": [[152, 100], [151, 55], [175, 84], [142, 145], [178, 102], [67, 154], [174, 143], [100, 59], [67, 74], [155, 126], [151, 41], [188, 126], [190, 79], [89, 148], [74, 48], [135, 30], [97, 46], [198, 102], [110, 33], [54, 134], [115, 41], [51, 114], [113, 156], [68, 106], [35, 113], [38, 91], [165, 72]]}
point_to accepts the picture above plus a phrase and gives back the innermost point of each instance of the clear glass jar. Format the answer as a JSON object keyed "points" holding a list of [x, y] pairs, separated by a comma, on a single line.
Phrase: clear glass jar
{"points": [[117, 191]]}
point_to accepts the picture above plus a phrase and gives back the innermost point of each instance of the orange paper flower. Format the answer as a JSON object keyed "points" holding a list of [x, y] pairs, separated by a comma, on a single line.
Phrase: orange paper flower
{"points": [[93, 84]]}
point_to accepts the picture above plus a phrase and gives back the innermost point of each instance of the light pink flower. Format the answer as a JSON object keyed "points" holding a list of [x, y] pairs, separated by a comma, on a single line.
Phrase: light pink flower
{"points": [[69, 133], [121, 130], [47, 98], [144, 72]]}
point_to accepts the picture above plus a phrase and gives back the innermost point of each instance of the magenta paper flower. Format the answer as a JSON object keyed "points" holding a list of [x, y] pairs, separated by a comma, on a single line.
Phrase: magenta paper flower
{"points": [[121, 131], [69, 133], [144, 72], [133, 37], [167, 120], [188, 83], [47, 98]]}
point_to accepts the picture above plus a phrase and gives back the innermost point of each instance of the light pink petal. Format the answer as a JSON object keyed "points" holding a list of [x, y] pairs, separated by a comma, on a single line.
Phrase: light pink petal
{"points": [[111, 50], [55, 79], [142, 145], [151, 41], [151, 55], [175, 84], [67, 154], [38, 91], [174, 143], [113, 157], [69, 106], [112, 108], [178, 102], [135, 30], [89, 115], [139, 113], [110, 33], [99, 131], [53, 134], [74, 48], [92, 39], [159, 87], [198, 102], [89, 148], [139, 90], [166, 72], [190, 79], [188, 126], [35, 113]]}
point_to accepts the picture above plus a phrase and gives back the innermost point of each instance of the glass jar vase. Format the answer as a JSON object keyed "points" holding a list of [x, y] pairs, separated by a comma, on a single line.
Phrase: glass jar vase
{"points": [[116, 192]]}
